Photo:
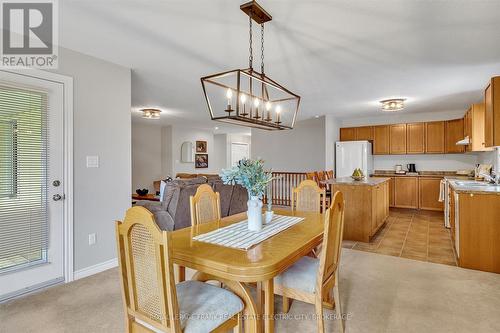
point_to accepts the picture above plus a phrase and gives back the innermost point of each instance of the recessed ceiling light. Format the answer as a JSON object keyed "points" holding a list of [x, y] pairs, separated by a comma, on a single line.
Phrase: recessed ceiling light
{"points": [[151, 113], [393, 104], [316, 116], [216, 128]]}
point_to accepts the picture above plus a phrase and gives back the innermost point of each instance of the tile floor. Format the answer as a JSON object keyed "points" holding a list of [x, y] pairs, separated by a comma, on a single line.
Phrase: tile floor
{"points": [[418, 235]]}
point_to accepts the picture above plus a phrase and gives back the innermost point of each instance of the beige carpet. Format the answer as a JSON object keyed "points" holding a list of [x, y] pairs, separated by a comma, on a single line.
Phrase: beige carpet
{"points": [[380, 293]]}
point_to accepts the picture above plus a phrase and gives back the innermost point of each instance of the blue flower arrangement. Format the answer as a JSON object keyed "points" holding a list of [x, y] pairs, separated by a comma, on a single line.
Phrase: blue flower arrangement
{"points": [[250, 174]]}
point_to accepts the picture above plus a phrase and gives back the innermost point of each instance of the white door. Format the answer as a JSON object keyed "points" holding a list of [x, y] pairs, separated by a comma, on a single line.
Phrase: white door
{"points": [[31, 187], [238, 152]]}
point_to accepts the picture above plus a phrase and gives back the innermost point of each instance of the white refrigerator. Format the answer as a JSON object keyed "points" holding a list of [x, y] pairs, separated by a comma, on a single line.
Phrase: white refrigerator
{"points": [[350, 155]]}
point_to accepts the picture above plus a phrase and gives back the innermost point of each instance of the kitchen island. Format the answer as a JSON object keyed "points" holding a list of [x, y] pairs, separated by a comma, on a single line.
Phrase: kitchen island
{"points": [[366, 205]]}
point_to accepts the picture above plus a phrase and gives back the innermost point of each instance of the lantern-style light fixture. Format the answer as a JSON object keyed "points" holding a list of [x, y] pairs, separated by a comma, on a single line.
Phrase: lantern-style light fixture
{"points": [[246, 97]]}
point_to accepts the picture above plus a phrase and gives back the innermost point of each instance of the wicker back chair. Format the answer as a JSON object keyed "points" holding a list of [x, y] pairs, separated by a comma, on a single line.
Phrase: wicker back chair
{"points": [[204, 205], [308, 196], [329, 174], [148, 286], [314, 280]]}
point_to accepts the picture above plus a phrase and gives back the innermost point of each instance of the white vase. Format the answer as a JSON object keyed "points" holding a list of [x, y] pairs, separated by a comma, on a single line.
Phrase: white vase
{"points": [[254, 214]]}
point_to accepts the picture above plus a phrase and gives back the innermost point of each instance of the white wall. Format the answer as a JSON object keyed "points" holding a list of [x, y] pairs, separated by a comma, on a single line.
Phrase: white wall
{"points": [[490, 157], [298, 150], [102, 121], [221, 152], [332, 135], [424, 162], [147, 156], [181, 134]]}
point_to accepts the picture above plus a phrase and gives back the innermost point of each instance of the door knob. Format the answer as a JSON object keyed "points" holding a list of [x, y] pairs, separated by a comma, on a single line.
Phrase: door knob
{"points": [[56, 197]]}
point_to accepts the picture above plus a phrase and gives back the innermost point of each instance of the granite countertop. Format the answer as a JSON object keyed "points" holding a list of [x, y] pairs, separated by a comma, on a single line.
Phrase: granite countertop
{"points": [[440, 174], [369, 181], [465, 188]]}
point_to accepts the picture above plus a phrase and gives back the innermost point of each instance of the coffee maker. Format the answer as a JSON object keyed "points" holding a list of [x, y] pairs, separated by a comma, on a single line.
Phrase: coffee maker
{"points": [[411, 168]]}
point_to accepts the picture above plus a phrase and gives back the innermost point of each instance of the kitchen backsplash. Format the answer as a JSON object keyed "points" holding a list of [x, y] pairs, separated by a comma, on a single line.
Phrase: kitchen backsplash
{"points": [[438, 162], [490, 157]]}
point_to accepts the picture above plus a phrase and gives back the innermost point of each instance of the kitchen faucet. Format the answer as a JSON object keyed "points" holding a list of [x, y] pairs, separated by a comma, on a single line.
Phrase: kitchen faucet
{"points": [[495, 179]]}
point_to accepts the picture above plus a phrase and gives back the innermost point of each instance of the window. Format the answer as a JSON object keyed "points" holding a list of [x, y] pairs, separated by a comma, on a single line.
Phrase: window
{"points": [[23, 177]]}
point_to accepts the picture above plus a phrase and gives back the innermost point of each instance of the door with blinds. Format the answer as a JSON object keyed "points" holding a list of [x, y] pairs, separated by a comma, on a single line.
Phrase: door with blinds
{"points": [[31, 179]]}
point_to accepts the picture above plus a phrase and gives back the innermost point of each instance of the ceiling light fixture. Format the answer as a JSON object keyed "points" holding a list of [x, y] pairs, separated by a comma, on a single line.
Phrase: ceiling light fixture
{"points": [[151, 113], [393, 104], [246, 97]]}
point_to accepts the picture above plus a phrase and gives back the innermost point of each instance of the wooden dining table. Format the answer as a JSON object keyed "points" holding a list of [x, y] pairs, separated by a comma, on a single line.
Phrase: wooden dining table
{"points": [[259, 264]]}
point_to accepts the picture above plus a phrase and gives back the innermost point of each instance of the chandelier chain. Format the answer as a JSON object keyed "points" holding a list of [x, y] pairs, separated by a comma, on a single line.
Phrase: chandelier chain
{"points": [[250, 58], [262, 48]]}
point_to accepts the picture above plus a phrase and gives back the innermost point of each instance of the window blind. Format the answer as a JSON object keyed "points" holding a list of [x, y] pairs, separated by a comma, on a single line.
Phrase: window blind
{"points": [[24, 227]]}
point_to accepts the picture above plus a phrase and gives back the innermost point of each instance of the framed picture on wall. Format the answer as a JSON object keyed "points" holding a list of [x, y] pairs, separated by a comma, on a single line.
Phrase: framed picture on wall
{"points": [[201, 161], [201, 146]]}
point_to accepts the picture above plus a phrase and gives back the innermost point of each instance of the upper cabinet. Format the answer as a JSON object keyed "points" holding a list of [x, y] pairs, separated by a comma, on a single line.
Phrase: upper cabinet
{"points": [[415, 138], [454, 132], [348, 134], [364, 133], [492, 113], [474, 128], [397, 139], [434, 137], [381, 140]]}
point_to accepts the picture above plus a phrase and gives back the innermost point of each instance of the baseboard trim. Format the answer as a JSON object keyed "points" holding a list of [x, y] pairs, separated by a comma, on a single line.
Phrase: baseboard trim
{"points": [[94, 269]]}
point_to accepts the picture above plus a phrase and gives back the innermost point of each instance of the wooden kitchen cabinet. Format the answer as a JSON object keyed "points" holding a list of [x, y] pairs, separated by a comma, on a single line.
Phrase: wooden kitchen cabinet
{"points": [[406, 192], [380, 206], [348, 134], [397, 139], [492, 113], [434, 137], [381, 140], [415, 138], [454, 132], [479, 231], [364, 133], [428, 189]]}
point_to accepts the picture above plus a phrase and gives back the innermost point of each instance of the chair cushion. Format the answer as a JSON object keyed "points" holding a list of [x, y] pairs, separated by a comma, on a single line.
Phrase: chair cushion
{"points": [[302, 275], [204, 307]]}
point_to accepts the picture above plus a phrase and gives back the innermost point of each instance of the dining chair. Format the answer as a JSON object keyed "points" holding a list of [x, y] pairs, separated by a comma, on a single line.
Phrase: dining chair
{"points": [[329, 174], [311, 175], [314, 280], [320, 177], [204, 205], [152, 300], [308, 196]]}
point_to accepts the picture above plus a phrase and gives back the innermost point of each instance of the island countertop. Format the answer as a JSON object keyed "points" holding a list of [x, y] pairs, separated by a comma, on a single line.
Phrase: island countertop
{"points": [[368, 181]]}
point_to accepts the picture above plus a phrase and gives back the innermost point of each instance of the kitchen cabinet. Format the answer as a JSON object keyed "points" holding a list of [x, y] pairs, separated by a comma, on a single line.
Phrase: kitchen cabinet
{"points": [[454, 132], [406, 192], [451, 210], [428, 189], [381, 140], [348, 134], [492, 113], [380, 206], [390, 188], [415, 138], [479, 231], [364, 133], [434, 137], [397, 139], [474, 128]]}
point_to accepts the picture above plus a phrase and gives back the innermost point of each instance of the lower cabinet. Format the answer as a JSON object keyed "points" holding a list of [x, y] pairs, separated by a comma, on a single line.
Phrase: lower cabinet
{"points": [[406, 192], [428, 189]]}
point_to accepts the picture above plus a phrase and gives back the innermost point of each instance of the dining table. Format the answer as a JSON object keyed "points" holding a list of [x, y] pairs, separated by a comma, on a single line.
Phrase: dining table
{"points": [[256, 266]]}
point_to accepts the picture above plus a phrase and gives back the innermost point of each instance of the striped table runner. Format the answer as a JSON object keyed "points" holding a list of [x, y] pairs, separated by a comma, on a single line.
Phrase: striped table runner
{"points": [[239, 237]]}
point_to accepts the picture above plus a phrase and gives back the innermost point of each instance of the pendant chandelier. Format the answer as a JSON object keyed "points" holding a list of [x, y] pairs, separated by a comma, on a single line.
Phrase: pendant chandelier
{"points": [[246, 97]]}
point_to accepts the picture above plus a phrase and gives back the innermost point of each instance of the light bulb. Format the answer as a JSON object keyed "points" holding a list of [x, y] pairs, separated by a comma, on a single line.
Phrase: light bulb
{"points": [[256, 102], [278, 109], [268, 106], [243, 98], [229, 94]]}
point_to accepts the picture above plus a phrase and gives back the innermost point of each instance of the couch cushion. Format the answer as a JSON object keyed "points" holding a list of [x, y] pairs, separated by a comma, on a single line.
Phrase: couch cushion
{"points": [[204, 307], [225, 193], [301, 275]]}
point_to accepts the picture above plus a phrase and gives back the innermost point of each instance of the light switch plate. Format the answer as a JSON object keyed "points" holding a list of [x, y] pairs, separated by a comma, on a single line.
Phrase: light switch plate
{"points": [[92, 161], [92, 239]]}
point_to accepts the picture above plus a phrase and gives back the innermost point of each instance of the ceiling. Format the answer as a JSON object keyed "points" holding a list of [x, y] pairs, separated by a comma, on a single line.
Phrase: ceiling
{"points": [[340, 56]]}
